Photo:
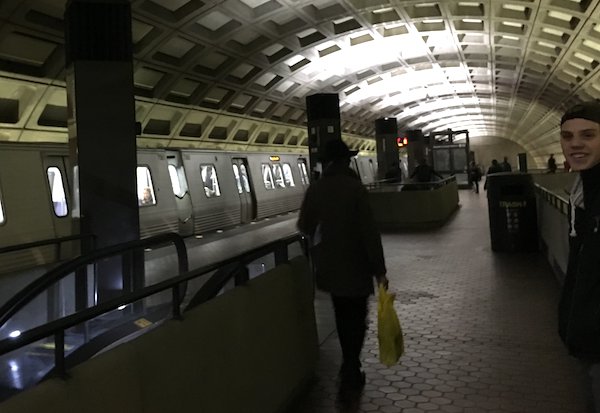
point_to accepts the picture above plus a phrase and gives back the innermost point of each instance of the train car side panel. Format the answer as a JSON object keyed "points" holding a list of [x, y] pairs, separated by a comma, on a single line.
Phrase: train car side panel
{"points": [[183, 199], [274, 193], [158, 212], [367, 168], [213, 190], [27, 208]]}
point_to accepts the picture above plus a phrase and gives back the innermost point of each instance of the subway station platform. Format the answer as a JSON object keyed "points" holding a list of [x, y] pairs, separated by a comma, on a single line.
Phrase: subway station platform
{"points": [[480, 330]]}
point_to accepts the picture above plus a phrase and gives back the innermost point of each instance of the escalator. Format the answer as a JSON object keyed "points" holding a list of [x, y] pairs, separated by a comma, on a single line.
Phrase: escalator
{"points": [[49, 326], [31, 353]]}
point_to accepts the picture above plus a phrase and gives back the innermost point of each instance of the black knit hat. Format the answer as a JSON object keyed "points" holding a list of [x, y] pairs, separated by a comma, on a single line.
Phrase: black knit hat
{"points": [[585, 110], [336, 149]]}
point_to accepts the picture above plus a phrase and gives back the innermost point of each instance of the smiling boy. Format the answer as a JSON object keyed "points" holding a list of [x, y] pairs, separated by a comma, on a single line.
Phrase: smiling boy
{"points": [[579, 308]]}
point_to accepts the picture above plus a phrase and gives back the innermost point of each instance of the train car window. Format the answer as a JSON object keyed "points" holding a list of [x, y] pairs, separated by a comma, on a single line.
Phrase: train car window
{"points": [[303, 172], [244, 176], [210, 180], [236, 174], [76, 210], [145, 189], [267, 176], [178, 181], [278, 175], [287, 175], [57, 191], [1, 210]]}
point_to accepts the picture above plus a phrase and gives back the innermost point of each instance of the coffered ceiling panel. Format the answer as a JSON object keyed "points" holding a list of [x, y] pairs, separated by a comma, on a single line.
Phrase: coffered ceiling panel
{"points": [[497, 68]]}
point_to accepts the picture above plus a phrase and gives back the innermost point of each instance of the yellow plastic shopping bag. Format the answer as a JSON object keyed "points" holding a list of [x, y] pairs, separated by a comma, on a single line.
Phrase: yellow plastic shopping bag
{"points": [[389, 332]]}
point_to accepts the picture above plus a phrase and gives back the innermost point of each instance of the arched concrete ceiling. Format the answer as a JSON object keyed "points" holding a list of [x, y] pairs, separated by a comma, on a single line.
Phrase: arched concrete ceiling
{"points": [[497, 68]]}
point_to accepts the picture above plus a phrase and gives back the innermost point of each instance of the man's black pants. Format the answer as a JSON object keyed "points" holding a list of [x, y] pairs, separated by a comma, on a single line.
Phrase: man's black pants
{"points": [[351, 323]]}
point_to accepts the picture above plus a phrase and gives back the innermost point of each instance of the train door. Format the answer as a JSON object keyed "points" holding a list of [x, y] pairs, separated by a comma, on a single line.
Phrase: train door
{"points": [[183, 199], [372, 171], [354, 165], [55, 167], [244, 188]]}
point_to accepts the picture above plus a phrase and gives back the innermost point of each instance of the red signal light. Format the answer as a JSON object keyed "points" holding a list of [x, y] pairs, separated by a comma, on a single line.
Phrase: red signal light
{"points": [[402, 141]]}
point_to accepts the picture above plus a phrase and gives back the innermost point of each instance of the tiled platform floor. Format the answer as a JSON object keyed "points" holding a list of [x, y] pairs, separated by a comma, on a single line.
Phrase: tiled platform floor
{"points": [[479, 330]]}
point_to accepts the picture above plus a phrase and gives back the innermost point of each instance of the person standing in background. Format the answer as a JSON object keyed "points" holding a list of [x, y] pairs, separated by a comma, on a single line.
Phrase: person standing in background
{"points": [[551, 164], [495, 167], [505, 165], [394, 174], [423, 172], [474, 175], [579, 307]]}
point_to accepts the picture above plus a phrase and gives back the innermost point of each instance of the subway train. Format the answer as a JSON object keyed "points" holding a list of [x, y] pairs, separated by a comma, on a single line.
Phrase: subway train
{"points": [[187, 191]]}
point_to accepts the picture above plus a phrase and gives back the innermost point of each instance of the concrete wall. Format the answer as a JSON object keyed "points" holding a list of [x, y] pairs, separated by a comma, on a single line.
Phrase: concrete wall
{"points": [[248, 350], [395, 209], [554, 234], [559, 183], [497, 148], [553, 221]]}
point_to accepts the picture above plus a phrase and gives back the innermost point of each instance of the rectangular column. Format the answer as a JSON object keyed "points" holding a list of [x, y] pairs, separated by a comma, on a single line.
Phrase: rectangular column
{"points": [[323, 119], [101, 127]]}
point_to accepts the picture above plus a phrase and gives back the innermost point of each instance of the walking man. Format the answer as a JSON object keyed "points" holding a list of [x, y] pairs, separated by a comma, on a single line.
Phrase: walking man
{"points": [[346, 251]]}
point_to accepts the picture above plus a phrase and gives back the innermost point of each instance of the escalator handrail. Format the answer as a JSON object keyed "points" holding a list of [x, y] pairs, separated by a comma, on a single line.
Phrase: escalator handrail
{"points": [[58, 326], [41, 284]]}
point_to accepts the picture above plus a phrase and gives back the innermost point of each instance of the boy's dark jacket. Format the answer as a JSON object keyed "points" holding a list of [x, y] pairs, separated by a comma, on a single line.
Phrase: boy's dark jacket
{"points": [[579, 308]]}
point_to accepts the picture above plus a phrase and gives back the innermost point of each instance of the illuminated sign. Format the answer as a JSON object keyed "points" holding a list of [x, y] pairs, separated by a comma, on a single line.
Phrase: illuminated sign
{"points": [[274, 158], [402, 141]]}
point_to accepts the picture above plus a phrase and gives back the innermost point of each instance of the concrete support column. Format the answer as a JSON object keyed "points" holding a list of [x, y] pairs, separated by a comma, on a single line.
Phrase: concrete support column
{"points": [[386, 135], [101, 128], [417, 148], [522, 159], [323, 118]]}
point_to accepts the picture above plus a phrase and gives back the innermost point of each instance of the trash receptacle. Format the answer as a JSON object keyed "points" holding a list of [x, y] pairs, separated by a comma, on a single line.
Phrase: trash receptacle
{"points": [[512, 212]]}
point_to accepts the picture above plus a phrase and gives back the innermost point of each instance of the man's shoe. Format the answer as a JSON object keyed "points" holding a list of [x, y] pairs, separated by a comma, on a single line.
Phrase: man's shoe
{"points": [[353, 379]]}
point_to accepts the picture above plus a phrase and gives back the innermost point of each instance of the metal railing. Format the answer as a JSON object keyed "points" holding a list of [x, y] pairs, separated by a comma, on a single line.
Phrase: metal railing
{"points": [[41, 284], [226, 270], [57, 241], [235, 267], [388, 184], [558, 202]]}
